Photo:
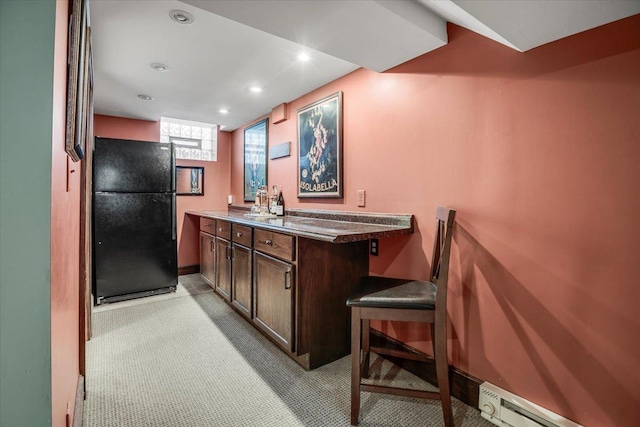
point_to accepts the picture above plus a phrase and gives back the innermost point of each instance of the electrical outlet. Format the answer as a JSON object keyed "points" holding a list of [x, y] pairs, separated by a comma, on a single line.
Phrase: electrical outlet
{"points": [[361, 198], [374, 247]]}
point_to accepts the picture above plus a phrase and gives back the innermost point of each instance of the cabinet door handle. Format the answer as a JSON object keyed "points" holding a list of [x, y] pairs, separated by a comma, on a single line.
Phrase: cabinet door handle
{"points": [[211, 244], [287, 280], [229, 252], [220, 229], [239, 234], [266, 242]]}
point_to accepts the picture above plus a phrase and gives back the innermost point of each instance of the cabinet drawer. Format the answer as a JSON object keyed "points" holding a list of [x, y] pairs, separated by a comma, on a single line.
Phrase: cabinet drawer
{"points": [[276, 244], [208, 225], [223, 229], [241, 234]]}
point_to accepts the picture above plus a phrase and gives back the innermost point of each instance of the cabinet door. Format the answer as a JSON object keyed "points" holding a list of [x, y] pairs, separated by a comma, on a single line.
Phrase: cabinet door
{"points": [[208, 258], [223, 257], [241, 276], [273, 290]]}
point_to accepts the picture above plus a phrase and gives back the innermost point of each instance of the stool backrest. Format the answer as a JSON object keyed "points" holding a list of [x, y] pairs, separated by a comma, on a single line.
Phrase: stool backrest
{"points": [[441, 251]]}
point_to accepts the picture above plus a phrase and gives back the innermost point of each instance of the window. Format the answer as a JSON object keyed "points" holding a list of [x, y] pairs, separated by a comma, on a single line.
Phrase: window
{"points": [[192, 140]]}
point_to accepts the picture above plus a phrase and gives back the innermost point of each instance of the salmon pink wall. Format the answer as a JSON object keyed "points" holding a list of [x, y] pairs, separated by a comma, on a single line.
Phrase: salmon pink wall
{"points": [[216, 189], [121, 128], [216, 175], [539, 154], [65, 242]]}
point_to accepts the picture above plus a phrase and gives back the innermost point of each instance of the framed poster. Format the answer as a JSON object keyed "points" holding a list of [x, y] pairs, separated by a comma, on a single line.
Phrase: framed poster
{"points": [[79, 51], [320, 148], [255, 158]]}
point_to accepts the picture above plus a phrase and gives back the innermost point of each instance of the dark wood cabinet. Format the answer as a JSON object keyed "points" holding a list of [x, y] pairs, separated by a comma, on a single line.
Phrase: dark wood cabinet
{"points": [[208, 258], [274, 291], [223, 268], [292, 288], [241, 279]]}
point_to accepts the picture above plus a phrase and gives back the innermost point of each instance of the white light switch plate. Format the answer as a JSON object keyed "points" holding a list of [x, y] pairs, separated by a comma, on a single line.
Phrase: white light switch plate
{"points": [[361, 198]]}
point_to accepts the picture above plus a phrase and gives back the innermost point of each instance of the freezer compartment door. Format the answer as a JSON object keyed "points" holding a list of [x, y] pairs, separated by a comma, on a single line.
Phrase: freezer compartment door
{"points": [[132, 166], [133, 244]]}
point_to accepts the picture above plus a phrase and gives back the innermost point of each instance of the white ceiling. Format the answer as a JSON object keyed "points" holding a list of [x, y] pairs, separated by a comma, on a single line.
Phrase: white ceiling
{"points": [[235, 44]]}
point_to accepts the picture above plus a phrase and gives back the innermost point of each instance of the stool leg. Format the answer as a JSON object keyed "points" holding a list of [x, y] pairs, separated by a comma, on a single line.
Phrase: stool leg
{"points": [[355, 364], [432, 326], [442, 371], [365, 348]]}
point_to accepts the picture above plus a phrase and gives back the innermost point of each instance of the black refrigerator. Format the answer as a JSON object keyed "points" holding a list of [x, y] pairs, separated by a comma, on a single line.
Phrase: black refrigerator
{"points": [[134, 219]]}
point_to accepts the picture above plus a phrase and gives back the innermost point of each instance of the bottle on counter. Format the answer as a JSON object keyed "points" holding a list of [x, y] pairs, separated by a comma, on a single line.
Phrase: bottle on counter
{"points": [[280, 204], [273, 198]]}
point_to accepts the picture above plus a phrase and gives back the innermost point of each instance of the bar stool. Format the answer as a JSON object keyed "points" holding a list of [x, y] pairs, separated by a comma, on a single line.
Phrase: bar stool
{"points": [[383, 298]]}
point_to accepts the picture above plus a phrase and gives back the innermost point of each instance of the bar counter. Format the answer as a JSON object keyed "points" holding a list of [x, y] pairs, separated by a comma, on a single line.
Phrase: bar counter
{"points": [[290, 276], [327, 226]]}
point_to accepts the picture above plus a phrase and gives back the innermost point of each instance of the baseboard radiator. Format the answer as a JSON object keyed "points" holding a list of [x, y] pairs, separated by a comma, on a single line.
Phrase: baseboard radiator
{"points": [[505, 409]]}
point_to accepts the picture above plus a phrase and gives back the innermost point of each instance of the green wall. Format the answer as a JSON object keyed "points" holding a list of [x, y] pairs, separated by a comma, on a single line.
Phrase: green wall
{"points": [[26, 108]]}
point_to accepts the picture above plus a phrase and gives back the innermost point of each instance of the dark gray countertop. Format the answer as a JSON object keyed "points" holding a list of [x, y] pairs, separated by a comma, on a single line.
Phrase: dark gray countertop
{"points": [[328, 226]]}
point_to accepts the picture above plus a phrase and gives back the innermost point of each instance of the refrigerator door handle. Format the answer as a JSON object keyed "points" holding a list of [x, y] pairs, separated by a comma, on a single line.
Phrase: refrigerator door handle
{"points": [[173, 168], [173, 216]]}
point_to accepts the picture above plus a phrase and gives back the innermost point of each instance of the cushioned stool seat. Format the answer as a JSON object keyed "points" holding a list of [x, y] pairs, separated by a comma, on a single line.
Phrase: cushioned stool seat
{"points": [[394, 293]]}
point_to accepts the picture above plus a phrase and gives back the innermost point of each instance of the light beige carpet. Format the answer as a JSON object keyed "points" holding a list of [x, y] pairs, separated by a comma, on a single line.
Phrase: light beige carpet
{"points": [[192, 361]]}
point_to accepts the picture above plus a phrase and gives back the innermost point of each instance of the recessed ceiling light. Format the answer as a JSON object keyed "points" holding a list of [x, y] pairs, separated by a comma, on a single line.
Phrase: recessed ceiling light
{"points": [[159, 67], [223, 111], [145, 97], [303, 57], [255, 89], [181, 17]]}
